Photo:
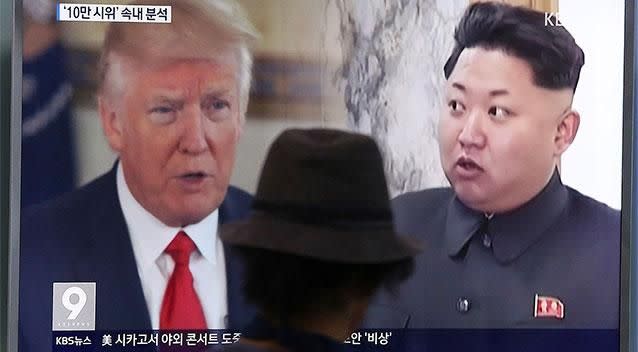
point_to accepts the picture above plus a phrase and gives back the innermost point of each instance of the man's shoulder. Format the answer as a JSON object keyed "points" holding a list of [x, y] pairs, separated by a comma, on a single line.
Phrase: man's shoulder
{"points": [[423, 212], [236, 205], [76, 205], [238, 195], [591, 221], [591, 209], [425, 200]]}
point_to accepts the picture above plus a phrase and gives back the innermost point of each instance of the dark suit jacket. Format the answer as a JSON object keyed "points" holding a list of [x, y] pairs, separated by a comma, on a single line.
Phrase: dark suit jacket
{"points": [[561, 244], [82, 237]]}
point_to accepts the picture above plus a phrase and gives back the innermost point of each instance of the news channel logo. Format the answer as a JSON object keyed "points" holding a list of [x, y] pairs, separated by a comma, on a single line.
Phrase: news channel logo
{"points": [[552, 19], [73, 306]]}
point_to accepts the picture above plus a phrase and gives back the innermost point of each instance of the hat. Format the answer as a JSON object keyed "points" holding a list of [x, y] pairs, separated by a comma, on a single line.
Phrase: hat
{"points": [[322, 194]]}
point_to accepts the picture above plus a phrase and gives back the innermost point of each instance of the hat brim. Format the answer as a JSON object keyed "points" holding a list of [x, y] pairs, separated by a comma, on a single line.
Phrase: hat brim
{"points": [[346, 244]]}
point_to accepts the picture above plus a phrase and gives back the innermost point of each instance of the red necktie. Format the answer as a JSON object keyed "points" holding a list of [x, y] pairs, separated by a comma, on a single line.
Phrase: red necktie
{"points": [[181, 308]]}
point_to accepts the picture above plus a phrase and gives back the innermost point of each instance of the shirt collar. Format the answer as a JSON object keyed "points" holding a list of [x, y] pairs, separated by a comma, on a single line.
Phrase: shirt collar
{"points": [[510, 232], [149, 236]]}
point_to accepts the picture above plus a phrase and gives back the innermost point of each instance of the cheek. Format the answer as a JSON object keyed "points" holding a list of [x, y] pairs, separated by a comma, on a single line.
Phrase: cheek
{"points": [[447, 134], [150, 146], [520, 146], [222, 139], [508, 138]]}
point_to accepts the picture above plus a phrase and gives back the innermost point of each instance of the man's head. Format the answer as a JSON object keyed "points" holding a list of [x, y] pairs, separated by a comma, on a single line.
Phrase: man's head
{"points": [[325, 237], [507, 116], [172, 100]]}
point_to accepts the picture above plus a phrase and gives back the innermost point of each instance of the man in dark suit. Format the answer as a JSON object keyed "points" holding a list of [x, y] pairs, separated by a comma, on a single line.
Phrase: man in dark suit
{"points": [[509, 246], [172, 101]]}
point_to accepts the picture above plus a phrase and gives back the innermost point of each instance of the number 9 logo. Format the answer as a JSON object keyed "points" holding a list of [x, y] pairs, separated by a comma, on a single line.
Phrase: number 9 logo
{"points": [[75, 308]]}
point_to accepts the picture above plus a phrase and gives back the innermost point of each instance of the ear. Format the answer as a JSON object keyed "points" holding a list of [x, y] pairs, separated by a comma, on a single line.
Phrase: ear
{"points": [[111, 123], [566, 131]]}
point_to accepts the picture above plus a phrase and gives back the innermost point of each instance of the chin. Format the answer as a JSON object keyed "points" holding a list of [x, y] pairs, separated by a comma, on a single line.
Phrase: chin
{"points": [[470, 197], [194, 212], [192, 218]]}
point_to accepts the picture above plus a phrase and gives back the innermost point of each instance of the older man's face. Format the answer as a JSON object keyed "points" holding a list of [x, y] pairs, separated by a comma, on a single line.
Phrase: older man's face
{"points": [[500, 134], [176, 130]]}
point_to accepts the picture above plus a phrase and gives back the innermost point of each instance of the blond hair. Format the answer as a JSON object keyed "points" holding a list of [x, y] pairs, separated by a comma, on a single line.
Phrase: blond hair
{"points": [[199, 30]]}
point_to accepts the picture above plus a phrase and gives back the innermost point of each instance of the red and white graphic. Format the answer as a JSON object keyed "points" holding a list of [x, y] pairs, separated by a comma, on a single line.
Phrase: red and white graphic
{"points": [[548, 307]]}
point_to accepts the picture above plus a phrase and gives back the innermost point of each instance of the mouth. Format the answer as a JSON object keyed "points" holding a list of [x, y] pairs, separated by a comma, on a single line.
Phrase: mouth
{"points": [[193, 176], [467, 166]]}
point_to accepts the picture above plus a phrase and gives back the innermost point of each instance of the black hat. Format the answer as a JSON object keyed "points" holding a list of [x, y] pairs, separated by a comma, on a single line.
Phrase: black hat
{"points": [[322, 194]]}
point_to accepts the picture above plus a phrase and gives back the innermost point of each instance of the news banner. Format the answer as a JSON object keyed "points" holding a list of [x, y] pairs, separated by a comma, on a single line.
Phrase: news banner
{"points": [[186, 340], [113, 13], [397, 340], [74, 330]]}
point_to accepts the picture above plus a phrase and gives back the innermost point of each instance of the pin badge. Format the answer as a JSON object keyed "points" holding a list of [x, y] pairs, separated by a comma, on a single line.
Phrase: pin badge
{"points": [[548, 307]]}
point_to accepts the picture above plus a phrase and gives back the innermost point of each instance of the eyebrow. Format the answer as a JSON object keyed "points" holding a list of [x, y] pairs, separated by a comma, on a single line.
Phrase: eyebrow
{"points": [[177, 97], [166, 96], [216, 92], [492, 93]]}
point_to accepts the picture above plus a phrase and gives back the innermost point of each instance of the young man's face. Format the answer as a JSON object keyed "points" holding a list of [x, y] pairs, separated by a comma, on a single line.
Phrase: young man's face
{"points": [[500, 135], [176, 135]]}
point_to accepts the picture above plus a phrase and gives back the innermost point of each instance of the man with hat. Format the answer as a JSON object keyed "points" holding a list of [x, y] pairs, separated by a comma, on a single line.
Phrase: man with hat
{"points": [[509, 245], [318, 245]]}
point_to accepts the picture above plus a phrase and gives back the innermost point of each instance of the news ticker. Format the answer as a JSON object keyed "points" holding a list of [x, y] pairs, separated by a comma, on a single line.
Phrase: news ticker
{"points": [[74, 310], [106, 341], [114, 341], [398, 340], [74, 329], [113, 13]]}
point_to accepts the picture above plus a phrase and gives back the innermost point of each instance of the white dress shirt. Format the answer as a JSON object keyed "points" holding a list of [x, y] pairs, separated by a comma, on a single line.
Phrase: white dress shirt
{"points": [[149, 237]]}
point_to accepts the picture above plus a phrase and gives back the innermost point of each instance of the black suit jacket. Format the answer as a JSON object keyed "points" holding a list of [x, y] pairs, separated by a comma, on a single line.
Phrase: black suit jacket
{"points": [[83, 237], [479, 273]]}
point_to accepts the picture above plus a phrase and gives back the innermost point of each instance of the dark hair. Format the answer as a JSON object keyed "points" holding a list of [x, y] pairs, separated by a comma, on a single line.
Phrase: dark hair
{"points": [[551, 51], [284, 286]]}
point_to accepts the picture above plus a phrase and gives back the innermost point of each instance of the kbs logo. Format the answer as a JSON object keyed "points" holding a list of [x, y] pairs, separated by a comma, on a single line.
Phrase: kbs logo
{"points": [[552, 19], [73, 306]]}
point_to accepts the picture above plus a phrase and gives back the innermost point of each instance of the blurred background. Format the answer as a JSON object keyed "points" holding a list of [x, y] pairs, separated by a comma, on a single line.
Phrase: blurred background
{"points": [[371, 66]]}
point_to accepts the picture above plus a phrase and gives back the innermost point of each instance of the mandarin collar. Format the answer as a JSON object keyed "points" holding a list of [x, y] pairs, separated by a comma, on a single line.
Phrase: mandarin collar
{"points": [[511, 232]]}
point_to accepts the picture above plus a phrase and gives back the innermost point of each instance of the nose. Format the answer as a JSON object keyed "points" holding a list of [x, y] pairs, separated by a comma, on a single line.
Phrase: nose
{"points": [[193, 139], [472, 134]]}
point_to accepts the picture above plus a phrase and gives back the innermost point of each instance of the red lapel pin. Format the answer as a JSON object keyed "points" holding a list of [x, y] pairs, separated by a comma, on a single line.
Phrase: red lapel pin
{"points": [[548, 307]]}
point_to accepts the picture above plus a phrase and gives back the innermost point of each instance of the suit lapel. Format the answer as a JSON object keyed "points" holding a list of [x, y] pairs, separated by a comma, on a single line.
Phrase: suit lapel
{"points": [[240, 313], [120, 302]]}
